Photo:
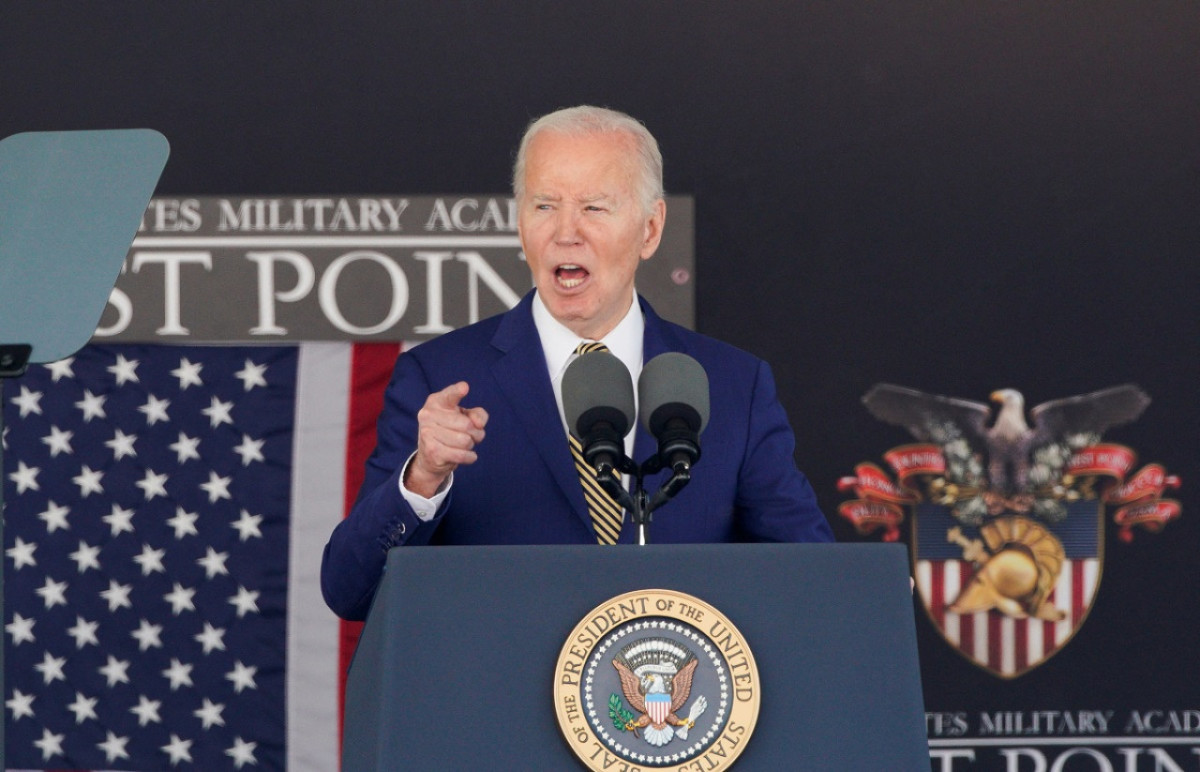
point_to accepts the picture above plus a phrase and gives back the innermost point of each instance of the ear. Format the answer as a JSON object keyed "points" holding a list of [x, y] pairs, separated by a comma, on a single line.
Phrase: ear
{"points": [[653, 230]]}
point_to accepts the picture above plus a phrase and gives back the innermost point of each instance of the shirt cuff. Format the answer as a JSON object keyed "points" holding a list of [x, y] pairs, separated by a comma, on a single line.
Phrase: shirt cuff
{"points": [[424, 508]]}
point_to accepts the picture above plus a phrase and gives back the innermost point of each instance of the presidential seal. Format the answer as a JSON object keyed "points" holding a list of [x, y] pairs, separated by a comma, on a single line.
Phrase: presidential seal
{"points": [[653, 679]]}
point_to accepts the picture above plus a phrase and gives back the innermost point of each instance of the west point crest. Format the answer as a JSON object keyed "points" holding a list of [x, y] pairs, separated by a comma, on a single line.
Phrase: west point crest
{"points": [[653, 679], [1007, 512]]}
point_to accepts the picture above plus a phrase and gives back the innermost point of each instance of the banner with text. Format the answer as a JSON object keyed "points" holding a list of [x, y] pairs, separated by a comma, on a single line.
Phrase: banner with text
{"points": [[386, 268]]}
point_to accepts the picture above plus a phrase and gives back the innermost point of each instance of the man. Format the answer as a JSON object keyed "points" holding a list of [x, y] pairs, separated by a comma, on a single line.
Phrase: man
{"points": [[472, 443]]}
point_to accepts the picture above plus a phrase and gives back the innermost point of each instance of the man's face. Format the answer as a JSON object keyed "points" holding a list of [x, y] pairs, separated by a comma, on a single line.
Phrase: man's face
{"points": [[583, 228]]}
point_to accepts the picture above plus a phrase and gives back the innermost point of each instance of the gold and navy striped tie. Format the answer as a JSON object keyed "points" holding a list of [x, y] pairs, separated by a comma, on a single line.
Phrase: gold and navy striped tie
{"points": [[606, 512]]}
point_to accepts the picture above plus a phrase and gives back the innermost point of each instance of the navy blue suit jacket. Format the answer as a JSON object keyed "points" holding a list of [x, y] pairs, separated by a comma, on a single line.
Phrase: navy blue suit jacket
{"points": [[524, 488]]}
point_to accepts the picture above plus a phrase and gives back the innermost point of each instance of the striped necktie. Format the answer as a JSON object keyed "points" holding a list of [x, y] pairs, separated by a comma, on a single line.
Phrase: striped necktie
{"points": [[606, 513]]}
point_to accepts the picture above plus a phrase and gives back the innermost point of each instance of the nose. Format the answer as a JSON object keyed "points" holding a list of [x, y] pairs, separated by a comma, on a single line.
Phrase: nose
{"points": [[566, 226]]}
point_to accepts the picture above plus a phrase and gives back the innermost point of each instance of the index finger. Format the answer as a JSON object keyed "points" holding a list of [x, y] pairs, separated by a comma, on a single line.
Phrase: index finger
{"points": [[450, 396]]}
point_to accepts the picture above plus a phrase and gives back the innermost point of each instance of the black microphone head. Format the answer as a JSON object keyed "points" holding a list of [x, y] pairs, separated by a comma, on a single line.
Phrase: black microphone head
{"points": [[597, 387], [673, 386]]}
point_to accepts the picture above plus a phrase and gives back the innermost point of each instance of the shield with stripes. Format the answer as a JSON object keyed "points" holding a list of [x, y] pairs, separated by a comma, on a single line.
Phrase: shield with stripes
{"points": [[1009, 592], [658, 707]]}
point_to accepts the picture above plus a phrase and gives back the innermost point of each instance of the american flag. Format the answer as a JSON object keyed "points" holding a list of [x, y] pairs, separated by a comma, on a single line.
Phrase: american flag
{"points": [[165, 510]]}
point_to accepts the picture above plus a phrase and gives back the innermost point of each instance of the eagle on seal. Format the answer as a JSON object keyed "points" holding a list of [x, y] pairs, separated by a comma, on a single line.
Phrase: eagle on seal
{"points": [[657, 697]]}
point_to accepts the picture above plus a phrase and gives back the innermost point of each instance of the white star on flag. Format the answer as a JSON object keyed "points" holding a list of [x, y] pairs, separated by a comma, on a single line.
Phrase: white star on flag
{"points": [[184, 523], [152, 484], [122, 445], [249, 450], [178, 674], [119, 520], [245, 601], [180, 598], [218, 412], [54, 516], [217, 487], [211, 638], [92, 405], [61, 369], [186, 447], [155, 409], [88, 481], [51, 668], [117, 595], [125, 370], [20, 705], [242, 753], [21, 629], [210, 714], [50, 744], [114, 747], [115, 671], [248, 525], [188, 374], [25, 477], [83, 708], [84, 632], [147, 710], [242, 677], [58, 441], [86, 557], [178, 749], [28, 401], [53, 593], [150, 560], [252, 375], [22, 553], [148, 636], [213, 562]]}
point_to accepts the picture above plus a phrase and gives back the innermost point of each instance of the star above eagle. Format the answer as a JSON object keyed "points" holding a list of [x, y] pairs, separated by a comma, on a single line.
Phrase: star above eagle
{"points": [[1022, 455]]}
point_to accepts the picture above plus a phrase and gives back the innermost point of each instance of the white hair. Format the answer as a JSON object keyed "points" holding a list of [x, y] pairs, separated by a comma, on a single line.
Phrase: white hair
{"points": [[586, 119]]}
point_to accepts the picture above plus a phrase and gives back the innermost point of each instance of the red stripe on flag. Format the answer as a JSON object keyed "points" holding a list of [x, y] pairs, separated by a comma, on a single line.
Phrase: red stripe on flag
{"points": [[371, 369]]}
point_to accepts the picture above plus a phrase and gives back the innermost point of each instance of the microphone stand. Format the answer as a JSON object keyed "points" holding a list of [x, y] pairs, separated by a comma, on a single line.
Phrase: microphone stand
{"points": [[639, 503]]}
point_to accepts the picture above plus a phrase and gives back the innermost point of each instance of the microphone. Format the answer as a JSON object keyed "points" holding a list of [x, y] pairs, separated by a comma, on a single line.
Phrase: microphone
{"points": [[673, 397], [597, 393]]}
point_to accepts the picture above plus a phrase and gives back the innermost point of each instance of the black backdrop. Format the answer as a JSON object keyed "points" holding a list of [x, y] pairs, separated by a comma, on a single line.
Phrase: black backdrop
{"points": [[952, 196]]}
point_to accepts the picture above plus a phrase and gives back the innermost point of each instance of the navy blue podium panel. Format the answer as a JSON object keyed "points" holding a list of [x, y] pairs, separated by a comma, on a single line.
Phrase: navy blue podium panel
{"points": [[456, 665]]}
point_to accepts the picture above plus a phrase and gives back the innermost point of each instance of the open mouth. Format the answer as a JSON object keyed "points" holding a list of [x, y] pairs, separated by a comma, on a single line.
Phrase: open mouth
{"points": [[570, 276]]}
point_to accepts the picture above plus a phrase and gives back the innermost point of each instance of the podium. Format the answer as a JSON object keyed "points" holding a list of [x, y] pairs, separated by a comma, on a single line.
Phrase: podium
{"points": [[456, 666]]}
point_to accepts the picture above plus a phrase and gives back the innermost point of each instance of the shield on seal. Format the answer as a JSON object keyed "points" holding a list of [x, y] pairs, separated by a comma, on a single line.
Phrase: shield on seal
{"points": [[658, 707]]}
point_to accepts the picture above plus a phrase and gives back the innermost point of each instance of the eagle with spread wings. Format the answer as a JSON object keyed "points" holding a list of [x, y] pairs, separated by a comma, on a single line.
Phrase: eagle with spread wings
{"points": [[1022, 457], [657, 700]]}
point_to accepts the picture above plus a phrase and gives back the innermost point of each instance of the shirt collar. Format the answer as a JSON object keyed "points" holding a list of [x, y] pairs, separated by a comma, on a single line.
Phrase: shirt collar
{"points": [[558, 342]]}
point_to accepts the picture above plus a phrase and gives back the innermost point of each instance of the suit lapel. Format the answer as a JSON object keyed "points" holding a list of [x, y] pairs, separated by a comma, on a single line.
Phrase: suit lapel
{"points": [[522, 378]]}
